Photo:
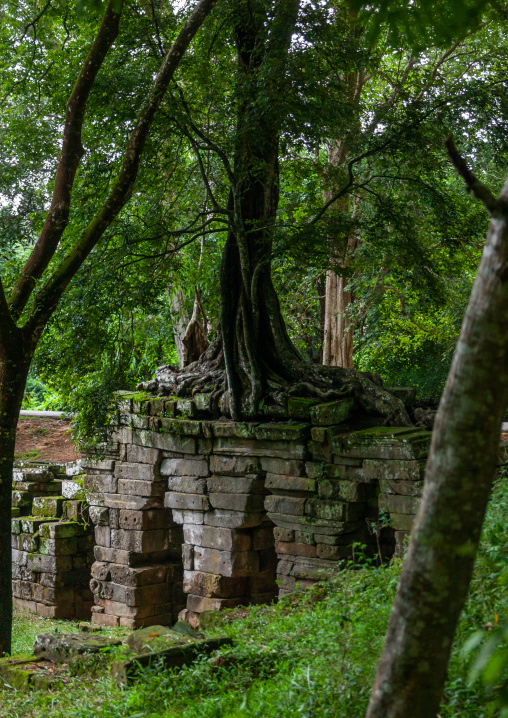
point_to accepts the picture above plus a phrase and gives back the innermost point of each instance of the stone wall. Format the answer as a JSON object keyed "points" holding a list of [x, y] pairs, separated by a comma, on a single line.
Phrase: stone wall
{"points": [[193, 514], [52, 541]]}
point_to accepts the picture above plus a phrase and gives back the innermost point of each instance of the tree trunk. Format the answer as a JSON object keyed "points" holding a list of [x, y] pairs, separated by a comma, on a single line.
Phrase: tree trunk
{"points": [[180, 322], [338, 329], [14, 365], [460, 470]]}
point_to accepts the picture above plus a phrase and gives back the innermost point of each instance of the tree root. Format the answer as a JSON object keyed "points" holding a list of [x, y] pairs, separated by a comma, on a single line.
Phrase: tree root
{"points": [[207, 375]]}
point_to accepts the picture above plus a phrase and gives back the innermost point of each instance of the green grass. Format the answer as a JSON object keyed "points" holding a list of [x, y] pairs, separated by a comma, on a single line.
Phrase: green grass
{"points": [[313, 654]]}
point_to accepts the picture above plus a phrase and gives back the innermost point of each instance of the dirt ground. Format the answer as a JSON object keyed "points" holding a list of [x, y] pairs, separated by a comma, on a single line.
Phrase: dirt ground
{"points": [[44, 438]]}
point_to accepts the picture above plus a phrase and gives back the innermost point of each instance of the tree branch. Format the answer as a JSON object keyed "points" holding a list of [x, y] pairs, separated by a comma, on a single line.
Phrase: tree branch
{"points": [[49, 296], [70, 157], [480, 191]]}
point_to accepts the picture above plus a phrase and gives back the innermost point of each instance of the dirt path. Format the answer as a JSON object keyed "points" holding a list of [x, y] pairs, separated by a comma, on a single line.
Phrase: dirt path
{"points": [[47, 439]]}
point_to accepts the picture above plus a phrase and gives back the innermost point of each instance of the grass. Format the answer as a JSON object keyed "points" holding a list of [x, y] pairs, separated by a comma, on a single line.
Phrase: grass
{"points": [[314, 654]]}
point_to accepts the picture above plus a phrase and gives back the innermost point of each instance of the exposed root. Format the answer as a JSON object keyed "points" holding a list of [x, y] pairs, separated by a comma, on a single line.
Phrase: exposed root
{"points": [[207, 375]]}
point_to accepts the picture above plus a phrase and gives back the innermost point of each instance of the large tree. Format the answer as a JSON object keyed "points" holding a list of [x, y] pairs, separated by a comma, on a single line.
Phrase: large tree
{"points": [[28, 304]]}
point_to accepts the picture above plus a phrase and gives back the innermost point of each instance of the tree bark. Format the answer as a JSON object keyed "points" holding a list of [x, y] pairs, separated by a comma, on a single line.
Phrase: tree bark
{"points": [[338, 328], [460, 469]]}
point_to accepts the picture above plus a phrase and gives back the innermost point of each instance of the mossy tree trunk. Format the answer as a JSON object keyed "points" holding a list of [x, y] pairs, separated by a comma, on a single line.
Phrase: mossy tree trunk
{"points": [[460, 470]]}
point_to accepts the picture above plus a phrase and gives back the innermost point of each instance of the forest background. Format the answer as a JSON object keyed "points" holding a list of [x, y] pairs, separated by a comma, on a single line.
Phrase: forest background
{"points": [[367, 114]]}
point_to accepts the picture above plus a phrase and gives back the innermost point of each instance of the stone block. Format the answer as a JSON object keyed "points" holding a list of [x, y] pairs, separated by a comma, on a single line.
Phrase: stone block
{"points": [[300, 407], [234, 465], [345, 490], [334, 553], [334, 510], [282, 432], [399, 504], [223, 539], [251, 447], [198, 604], [50, 564], [58, 547], [381, 442], [188, 517], [239, 429], [394, 470], [402, 522], [188, 557], [289, 483], [166, 442], [185, 467], [142, 520], [142, 455], [332, 412], [140, 541], [137, 472], [295, 549], [99, 515], [322, 470], [404, 488], [285, 505], [21, 499], [281, 534], [130, 558], [305, 537], [215, 586], [236, 484], [194, 502], [103, 536], [47, 506], [130, 487], [75, 510], [96, 483], [226, 563], [233, 519], [237, 502], [187, 485], [325, 527], [122, 501], [129, 595], [90, 465]]}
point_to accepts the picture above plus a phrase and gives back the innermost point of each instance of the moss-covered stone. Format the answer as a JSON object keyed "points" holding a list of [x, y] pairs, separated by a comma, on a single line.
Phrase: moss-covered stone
{"points": [[282, 432], [300, 407], [333, 412], [47, 506]]}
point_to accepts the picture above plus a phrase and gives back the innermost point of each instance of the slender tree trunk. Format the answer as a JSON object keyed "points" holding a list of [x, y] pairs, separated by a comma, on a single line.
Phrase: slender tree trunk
{"points": [[438, 567], [338, 328], [14, 365]]}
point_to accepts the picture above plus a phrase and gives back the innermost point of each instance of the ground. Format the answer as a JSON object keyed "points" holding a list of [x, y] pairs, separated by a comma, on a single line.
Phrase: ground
{"points": [[44, 438]]}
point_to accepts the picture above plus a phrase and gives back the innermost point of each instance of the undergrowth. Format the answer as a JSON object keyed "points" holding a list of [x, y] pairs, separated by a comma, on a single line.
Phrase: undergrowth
{"points": [[313, 654]]}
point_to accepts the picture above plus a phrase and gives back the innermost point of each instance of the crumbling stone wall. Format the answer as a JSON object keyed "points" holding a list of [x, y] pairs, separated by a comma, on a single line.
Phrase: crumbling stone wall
{"points": [[52, 541], [194, 514]]}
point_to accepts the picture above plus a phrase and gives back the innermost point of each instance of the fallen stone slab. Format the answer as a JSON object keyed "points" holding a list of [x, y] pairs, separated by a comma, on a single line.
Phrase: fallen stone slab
{"points": [[59, 647], [125, 672], [23, 673]]}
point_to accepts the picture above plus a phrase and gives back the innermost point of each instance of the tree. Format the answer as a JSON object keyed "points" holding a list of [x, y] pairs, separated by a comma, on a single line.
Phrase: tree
{"points": [[39, 286]]}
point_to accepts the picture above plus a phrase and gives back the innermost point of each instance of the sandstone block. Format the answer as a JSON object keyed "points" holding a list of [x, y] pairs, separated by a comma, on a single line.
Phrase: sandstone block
{"points": [[188, 557], [142, 520], [251, 447], [130, 487], [193, 502], [236, 484], [285, 505], [97, 483], [57, 547], [394, 470], [226, 563], [214, 586], [289, 483], [282, 432], [399, 504], [185, 467], [345, 490], [383, 442], [99, 515], [281, 534], [187, 485], [198, 604], [166, 442], [140, 541], [404, 488], [237, 502], [234, 465], [91, 465], [188, 517], [232, 519], [142, 455], [295, 549], [49, 564], [123, 501], [103, 536], [223, 539], [334, 553], [333, 510], [47, 506], [131, 596], [137, 472], [402, 522], [333, 412]]}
